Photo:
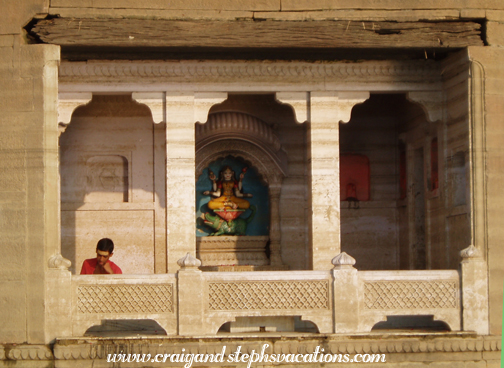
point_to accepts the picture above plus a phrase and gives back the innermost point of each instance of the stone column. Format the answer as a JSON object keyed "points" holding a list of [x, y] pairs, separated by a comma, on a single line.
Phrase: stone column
{"points": [[327, 110], [474, 291], [156, 102], [183, 110], [275, 232]]}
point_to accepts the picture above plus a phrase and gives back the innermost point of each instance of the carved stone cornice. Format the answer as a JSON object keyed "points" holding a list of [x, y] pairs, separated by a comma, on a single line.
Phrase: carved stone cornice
{"points": [[315, 74], [27, 352], [80, 349]]}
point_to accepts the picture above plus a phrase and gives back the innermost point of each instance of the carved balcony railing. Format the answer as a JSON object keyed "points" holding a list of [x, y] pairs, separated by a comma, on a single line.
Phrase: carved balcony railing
{"points": [[342, 300]]}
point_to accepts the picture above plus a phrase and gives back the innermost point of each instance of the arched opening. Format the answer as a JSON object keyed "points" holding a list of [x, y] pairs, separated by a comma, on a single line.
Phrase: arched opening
{"points": [[112, 184], [405, 221], [261, 133]]}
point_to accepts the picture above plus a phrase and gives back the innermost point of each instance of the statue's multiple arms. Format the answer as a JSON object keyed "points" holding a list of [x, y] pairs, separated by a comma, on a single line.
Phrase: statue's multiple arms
{"points": [[216, 192]]}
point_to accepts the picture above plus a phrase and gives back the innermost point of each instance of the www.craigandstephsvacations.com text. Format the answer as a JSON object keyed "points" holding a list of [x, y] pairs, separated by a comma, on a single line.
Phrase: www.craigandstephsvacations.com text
{"points": [[318, 356]]}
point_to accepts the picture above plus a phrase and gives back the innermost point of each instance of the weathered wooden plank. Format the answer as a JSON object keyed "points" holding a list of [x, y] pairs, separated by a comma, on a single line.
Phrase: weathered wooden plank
{"points": [[257, 34]]}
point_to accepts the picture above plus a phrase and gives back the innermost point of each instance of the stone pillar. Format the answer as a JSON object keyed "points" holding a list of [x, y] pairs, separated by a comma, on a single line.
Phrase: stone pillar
{"points": [[190, 289], [156, 102], [474, 291], [327, 110], [58, 302], [275, 231], [345, 294], [183, 110], [29, 187]]}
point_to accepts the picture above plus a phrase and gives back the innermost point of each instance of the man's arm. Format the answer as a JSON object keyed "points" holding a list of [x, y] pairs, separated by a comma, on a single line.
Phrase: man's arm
{"points": [[107, 268]]}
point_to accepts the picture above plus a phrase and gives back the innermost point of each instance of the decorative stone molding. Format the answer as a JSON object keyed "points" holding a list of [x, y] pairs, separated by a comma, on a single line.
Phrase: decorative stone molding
{"points": [[67, 103], [299, 103], [471, 252], [381, 344], [431, 102], [478, 157], [155, 101], [188, 261], [29, 352], [59, 262], [201, 72], [343, 260]]}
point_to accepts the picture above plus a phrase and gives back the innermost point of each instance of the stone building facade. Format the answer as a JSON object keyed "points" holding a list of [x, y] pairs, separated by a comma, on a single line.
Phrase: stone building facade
{"points": [[371, 136]]}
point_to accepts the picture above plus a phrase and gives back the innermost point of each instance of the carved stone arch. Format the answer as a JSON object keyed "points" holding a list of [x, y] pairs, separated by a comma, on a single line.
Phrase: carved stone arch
{"points": [[269, 171], [245, 135]]}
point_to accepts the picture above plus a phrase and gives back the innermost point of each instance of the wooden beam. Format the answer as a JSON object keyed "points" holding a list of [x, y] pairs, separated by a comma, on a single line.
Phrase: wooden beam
{"points": [[256, 34]]}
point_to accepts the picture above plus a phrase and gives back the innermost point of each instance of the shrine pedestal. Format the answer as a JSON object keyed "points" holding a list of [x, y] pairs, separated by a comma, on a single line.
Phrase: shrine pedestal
{"points": [[232, 251]]}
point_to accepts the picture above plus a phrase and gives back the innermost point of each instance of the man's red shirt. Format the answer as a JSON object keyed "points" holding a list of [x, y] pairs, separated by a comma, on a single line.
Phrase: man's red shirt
{"points": [[89, 266]]}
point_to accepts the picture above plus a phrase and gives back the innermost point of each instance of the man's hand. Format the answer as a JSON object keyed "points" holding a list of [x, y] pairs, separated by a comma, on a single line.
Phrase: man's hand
{"points": [[103, 270], [107, 268]]}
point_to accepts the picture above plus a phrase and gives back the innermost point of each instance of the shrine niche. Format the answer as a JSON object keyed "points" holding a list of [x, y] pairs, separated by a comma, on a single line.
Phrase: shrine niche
{"points": [[239, 171]]}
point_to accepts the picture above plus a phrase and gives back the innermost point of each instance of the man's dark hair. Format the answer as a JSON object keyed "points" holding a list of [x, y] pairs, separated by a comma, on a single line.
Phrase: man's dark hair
{"points": [[105, 245]]}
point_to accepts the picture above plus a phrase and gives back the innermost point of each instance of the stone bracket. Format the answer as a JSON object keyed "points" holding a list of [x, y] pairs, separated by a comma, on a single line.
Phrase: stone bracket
{"points": [[337, 106], [67, 103], [431, 102], [155, 101], [346, 102], [204, 101], [299, 101], [334, 107]]}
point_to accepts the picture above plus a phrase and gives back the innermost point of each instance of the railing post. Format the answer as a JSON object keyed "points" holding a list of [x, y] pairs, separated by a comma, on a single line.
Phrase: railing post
{"points": [[191, 296], [474, 290], [58, 303], [345, 294]]}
